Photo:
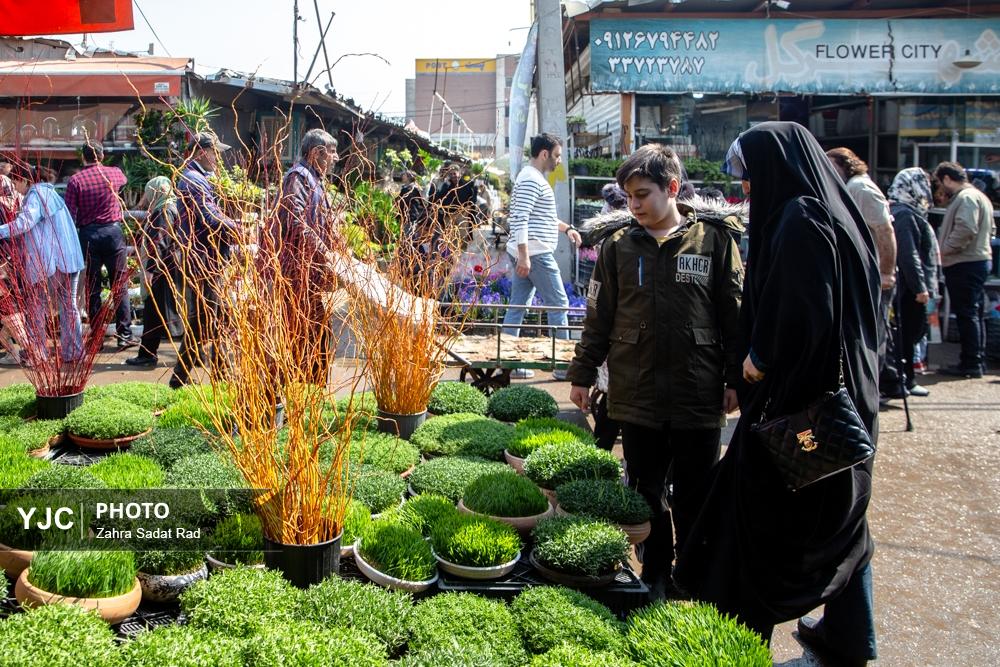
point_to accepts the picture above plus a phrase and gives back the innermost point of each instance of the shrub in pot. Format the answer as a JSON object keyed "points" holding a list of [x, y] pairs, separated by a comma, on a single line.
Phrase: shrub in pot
{"points": [[237, 540], [17, 400], [470, 541], [57, 476], [308, 644], [164, 575], [398, 552], [125, 470], [552, 465], [512, 404], [182, 646], [56, 636], [15, 469], [453, 397], [37, 435], [463, 434], [423, 511], [685, 633], [607, 499], [100, 580], [577, 656], [449, 476], [342, 603], [467, 620], [149, 395], [189, 409], [241, 602], [504, 494], [550, 616], [107, 420], [534, 432], [579, 547], [167, 446], [378, 489], [383, 451]]}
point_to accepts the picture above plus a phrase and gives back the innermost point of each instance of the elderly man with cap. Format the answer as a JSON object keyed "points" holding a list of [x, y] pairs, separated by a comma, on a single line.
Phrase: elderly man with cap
{"points": [[208, 232]]}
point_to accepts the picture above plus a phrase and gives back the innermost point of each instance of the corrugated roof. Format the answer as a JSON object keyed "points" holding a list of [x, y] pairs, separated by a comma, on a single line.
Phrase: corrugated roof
{"points": [[98, 66]]}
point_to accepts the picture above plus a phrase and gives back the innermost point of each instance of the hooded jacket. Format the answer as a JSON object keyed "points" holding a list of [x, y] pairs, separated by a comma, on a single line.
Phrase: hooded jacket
{"points": [[665, 317]]}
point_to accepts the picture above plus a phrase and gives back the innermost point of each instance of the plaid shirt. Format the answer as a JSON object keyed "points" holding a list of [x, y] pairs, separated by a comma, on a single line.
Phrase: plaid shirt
{"points": [[92, 195]]}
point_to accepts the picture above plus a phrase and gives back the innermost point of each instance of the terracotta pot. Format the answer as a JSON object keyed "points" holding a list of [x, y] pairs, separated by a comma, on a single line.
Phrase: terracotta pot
{"points": [[523, 524], [14, 561], [385, 580], [43, 451], [549, 493], [168, 587], [113, 610], [114, 443], [515, 462], [636, 532], [409, 471], [573, 580]]}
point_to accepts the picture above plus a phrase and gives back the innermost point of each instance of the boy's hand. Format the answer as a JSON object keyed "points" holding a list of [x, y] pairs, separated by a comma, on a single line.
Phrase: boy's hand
{"points": [[730, 403], [580, 396]]}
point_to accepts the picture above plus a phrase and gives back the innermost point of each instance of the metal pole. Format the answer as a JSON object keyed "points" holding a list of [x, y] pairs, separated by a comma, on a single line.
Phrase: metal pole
{"points": [[322, 37], [295, 42], [322, 42]]}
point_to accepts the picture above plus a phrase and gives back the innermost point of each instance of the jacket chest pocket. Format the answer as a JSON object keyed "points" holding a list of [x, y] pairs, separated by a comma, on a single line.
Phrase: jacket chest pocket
{"points": [[623, 363]]}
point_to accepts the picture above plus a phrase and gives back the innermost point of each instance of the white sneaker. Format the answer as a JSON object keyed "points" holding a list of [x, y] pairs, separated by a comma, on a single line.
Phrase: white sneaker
{"points": [[522, 374], [559, 374]]}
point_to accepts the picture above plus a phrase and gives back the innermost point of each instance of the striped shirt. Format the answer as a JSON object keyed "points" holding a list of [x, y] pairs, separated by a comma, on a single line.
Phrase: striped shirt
{"points": [[532, 215]]}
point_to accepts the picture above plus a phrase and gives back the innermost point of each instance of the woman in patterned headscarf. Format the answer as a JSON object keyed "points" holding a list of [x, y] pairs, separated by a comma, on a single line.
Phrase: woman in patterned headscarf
{"points": [[158, 308], [910, 197]]}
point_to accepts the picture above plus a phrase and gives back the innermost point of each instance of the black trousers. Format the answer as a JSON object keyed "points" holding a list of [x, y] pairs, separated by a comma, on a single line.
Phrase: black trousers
{"points": [[965, 282], [103, 246], [155, 307], [912, 327], [689, 455], [200, 331]]}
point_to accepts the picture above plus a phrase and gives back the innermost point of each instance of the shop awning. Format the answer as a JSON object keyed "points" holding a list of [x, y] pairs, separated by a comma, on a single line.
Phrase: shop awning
{"points": [[147, 77]]}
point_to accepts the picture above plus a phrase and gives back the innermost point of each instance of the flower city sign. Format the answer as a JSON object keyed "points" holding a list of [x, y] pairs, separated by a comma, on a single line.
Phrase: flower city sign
{"points": [[812, 56]]}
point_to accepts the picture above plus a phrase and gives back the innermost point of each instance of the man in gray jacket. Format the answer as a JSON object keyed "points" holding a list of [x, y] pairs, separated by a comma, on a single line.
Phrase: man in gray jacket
{"points": [[965, 238]]}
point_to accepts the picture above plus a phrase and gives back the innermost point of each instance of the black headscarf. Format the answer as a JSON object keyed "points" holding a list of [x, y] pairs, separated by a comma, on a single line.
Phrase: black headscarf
{"points": [[758, 550]]}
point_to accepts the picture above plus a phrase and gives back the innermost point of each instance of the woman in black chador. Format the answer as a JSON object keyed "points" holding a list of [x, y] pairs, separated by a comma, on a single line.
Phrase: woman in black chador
{"points": [[758, 550]]}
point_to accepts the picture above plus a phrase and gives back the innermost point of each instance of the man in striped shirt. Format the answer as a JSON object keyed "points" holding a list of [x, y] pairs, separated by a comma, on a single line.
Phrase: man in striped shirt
{"points": [[534, 235]]}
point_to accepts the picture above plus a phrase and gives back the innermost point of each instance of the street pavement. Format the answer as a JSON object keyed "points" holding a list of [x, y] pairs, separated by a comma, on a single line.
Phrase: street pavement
{"points": [[935, 516]]}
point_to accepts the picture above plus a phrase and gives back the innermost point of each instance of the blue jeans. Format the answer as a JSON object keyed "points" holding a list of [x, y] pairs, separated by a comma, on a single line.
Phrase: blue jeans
{"points": [[544, 277], [61, 288], [965, 282]]}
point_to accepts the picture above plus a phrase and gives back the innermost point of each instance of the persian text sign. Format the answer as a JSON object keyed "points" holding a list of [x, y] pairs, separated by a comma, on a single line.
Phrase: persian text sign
{"points": [[815, 56]]}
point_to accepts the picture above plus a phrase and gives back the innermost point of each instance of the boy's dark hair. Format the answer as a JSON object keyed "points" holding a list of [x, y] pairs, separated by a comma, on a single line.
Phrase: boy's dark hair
{"points": [[544, 142], [656, 162], [848, 160], [952, 170], [92, 152]]}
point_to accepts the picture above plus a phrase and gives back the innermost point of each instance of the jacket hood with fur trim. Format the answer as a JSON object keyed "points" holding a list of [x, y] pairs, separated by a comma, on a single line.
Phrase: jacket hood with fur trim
{"points": [[717, 212]]}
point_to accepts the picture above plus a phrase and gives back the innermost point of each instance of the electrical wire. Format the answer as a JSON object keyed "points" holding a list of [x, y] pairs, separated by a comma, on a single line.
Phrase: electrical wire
{"points": [[152, 29]]}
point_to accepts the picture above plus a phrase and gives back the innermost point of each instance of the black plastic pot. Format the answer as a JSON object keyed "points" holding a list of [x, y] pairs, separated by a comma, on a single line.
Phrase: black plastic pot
{"points": [[401, 425], [57, 407], [303, 564]]}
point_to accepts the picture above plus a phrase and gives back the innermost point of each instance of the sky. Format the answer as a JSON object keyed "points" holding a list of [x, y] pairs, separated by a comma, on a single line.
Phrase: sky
{"points": [[256, 35]]}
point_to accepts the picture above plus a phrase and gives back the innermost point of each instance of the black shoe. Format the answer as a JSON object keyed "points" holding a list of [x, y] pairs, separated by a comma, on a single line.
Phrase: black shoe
{"points": [[141, 361], [960, 371], [897, 392], [810, 631], [176, 382], [126, 342], [917, 390]]}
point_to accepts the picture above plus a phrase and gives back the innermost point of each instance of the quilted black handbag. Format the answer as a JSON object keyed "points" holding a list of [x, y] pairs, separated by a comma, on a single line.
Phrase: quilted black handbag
{"points": [[825, 438]]}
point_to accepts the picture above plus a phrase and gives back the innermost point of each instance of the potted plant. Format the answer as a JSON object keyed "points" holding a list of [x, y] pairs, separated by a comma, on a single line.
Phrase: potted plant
{"points": [[383, 451], [181, 645], [60, 635], [152, 396], [550, 616], [507, 497], [167, 446], [578, 551], [378, 489], [576, 124], [336, 602], [533, 432], [108, 423], [552, 465], [475, 547], [237, 541], [241, 602], [606, 499], [296, 642], [512, 404], [685, 633], [356, 520], [396, 556], [17, 545], [469, 621], [17, 400], [38, 436], [125, 470], [423, 511], [104, 581], [15, 469], [452, 397], [463, 434], [448, 476], [164, 575], [224, 489], [56, 477]]}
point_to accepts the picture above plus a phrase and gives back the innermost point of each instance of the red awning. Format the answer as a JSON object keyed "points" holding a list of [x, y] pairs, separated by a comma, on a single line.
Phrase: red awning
{"points": [[94, 77], [61, 17]]}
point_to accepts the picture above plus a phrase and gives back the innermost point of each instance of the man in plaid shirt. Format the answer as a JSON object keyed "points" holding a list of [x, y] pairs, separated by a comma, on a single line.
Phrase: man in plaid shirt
{"points": [[92, 200]]}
